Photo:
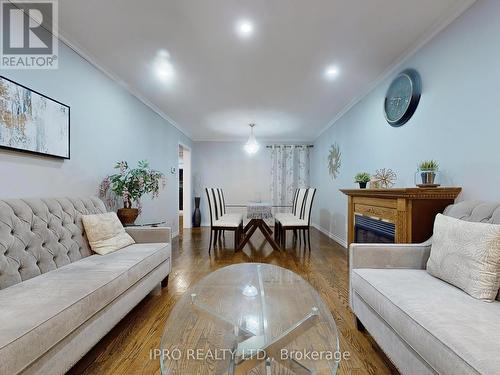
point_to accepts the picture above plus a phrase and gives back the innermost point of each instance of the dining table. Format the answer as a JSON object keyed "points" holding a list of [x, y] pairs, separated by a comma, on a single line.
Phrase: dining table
{"points": [[258, 213]]}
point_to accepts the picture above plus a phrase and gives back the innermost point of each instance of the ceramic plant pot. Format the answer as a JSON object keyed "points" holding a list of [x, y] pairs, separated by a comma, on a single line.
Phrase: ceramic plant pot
{"points": [[428, 177], [362, 185], [127, 215]]}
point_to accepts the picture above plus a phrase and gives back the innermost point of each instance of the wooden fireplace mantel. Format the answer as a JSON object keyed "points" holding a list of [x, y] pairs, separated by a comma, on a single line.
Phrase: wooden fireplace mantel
{"points": [[412, 210]]}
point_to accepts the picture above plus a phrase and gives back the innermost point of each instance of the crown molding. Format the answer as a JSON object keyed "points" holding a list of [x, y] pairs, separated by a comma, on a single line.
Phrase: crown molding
{"points": [[89, 58], [92, 60], [397, 64]]}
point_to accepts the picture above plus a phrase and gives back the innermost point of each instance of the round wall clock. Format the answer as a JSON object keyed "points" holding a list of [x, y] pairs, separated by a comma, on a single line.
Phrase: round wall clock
{"points": [[402, 98]]}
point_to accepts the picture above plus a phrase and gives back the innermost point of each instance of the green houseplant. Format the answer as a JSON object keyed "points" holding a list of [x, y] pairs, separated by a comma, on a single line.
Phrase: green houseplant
{"points": [[428, 170], [129, 185], [362, 179]]}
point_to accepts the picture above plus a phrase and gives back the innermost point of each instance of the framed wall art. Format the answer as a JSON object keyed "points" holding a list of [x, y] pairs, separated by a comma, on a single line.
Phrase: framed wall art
{"points": [[33, 122]]}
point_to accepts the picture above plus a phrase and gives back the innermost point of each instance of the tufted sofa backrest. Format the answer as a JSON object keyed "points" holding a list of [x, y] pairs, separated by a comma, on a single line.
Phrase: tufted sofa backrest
{"points": [[483, 212], [40, 235]]}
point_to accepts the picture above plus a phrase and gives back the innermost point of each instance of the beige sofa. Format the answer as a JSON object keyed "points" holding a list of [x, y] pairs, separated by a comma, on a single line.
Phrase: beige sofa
{"points": [[423, 324], [57, 299]]}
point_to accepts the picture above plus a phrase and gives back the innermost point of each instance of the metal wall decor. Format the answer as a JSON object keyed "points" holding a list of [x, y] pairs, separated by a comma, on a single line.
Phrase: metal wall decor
{"points": [[385, 177], [334, 160]]}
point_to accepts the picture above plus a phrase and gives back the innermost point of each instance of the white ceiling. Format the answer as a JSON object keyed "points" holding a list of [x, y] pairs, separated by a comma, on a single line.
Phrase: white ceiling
{"points": [[275, 78]]}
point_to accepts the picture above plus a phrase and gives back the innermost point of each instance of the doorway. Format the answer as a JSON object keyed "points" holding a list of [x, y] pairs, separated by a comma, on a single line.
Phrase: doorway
{"points": [[184, 178]]}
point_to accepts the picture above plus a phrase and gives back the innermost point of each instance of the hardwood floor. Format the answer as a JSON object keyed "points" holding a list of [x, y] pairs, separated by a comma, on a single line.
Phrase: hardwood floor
{"points": [[126, 349]]}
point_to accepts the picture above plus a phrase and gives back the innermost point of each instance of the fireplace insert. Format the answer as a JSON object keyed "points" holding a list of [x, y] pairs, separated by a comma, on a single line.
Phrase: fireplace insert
{"points": [[370, 230]]}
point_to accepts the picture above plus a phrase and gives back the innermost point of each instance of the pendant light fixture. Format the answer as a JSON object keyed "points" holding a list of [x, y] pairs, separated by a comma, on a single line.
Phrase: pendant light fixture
{"points": [[252, 146]]}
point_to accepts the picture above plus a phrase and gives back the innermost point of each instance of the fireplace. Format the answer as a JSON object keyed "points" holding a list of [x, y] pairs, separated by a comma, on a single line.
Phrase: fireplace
{"points": [[370, 230], [412, 210]]}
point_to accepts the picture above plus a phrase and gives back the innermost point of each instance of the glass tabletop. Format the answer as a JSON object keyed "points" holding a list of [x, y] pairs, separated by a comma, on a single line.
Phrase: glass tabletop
{"points": [[147, 223], [250, 318], [259, 210], [259, 204]]}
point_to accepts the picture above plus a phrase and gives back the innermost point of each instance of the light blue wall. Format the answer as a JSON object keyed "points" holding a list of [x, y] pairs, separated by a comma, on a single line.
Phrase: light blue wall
{"points": [[107, 124], [456, 123], [226, 165]]}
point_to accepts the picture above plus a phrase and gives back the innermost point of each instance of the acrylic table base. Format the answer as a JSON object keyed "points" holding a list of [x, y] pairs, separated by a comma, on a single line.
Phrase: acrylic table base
{"points": [[249, 318]]}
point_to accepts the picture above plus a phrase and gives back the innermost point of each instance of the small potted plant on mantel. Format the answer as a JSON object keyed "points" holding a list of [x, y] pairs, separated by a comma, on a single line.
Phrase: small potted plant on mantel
{"points": [[130, 185], [362, 179], [428, 170]]}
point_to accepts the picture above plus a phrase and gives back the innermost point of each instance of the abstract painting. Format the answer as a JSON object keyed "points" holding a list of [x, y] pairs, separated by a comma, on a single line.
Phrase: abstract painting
{"points": [[33, 122]]}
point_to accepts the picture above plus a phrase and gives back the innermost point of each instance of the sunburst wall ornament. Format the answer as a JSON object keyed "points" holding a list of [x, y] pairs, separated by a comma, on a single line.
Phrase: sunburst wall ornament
{"points": [[334, 161], [385, 177]]}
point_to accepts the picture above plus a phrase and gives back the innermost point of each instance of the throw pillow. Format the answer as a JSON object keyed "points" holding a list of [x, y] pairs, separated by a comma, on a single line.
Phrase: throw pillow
{"points": [[466, 255], [105, 233]]}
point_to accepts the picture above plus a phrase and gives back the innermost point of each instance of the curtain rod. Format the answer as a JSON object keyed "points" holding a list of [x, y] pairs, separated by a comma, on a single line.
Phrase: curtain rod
{"points": [[271, 146]]}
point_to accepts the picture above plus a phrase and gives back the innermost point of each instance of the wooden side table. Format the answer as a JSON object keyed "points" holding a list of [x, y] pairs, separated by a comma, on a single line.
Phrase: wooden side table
{"points": [[412, 210]]}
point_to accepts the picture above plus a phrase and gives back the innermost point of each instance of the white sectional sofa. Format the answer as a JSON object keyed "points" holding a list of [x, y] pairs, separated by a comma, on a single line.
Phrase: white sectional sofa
{"points": [[423, 324], [57, 299]]}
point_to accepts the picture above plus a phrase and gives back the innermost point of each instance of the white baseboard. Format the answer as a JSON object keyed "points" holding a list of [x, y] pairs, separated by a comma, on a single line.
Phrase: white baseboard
{"points": [[342, 242], [175, 234]]}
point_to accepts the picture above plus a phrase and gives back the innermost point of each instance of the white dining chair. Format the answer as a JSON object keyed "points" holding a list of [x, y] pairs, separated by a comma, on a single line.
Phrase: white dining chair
{"points": [[302, 222], [221, 221], [297, 206]]}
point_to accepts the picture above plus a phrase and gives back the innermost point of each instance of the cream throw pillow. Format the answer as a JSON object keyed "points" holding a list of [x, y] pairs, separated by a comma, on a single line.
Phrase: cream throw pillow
{"points": [[105, 233], [467, 255]]}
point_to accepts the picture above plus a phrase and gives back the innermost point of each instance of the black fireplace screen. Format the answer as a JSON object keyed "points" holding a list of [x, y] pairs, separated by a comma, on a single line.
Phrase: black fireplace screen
{"points": [[369, 230]]}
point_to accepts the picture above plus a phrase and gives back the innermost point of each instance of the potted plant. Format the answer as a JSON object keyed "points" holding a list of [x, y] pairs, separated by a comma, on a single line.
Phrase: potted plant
{"points": [[427, 170], [362, 179], [130, 185]]}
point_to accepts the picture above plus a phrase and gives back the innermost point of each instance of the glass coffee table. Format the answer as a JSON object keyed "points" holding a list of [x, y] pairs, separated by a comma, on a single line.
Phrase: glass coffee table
{"points": [[250, 318]]}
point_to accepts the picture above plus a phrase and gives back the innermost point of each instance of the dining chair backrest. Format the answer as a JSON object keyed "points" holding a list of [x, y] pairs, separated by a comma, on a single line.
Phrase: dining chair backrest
{"points": [[294, 200], [212, 205], [299, 206], [222, 204], [308, 201], [216, 203]]}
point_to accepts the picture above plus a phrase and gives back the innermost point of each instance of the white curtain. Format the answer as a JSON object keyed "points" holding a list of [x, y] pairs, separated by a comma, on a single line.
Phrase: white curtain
{"points": [[289, 171]]}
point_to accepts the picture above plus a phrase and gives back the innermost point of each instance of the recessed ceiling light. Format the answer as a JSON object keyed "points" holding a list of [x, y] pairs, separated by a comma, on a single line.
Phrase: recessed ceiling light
{"points": [[331, 72], [164, 54], [244, 28], [163, 68]]}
